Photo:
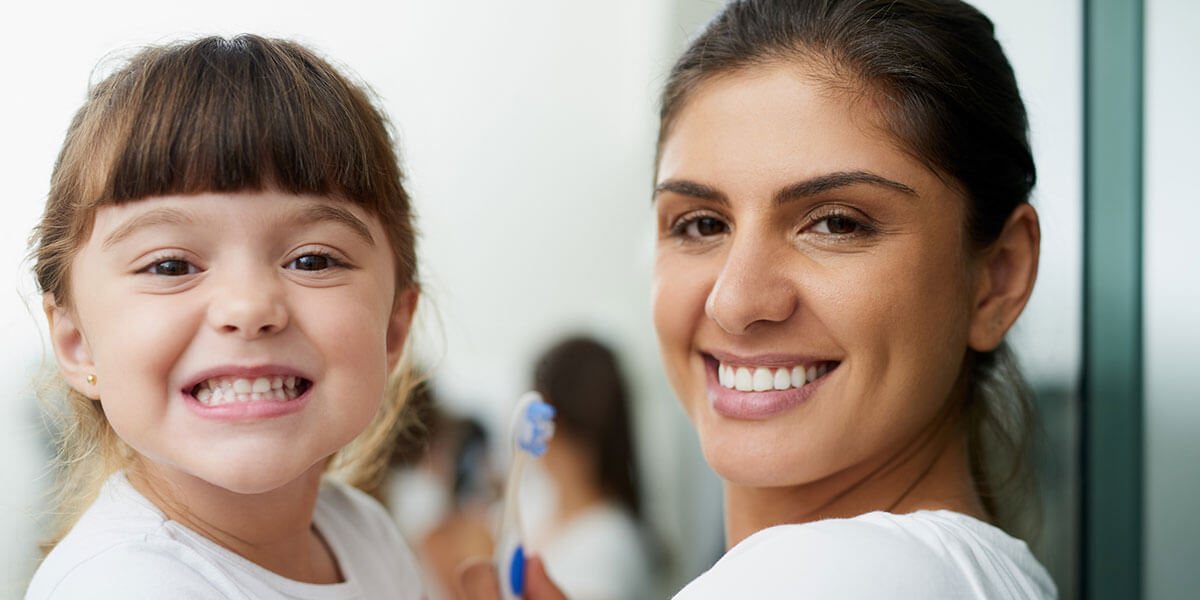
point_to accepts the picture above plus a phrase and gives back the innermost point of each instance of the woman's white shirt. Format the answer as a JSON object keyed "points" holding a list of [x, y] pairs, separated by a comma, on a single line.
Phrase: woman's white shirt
{"points": [[925, 554], [125, 547]]}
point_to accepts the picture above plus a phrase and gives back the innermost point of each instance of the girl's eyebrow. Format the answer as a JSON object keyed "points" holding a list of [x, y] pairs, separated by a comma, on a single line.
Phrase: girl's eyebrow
{"points": [[336, 214], [307, 216], [152, 218]]}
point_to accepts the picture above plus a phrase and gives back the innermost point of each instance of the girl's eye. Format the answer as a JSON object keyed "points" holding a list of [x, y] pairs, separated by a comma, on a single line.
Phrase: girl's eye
{"points": [[702, 227], [312, 262], [172, 268]]}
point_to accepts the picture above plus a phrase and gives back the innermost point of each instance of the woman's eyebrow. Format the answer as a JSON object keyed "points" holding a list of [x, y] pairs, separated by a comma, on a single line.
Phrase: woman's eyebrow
{"points": [[684, 187], [803, 189], [832, 181]]}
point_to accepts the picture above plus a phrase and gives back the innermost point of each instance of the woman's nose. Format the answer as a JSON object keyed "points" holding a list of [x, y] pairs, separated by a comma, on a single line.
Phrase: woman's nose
{"points": [[249, 303], [752, 289]]}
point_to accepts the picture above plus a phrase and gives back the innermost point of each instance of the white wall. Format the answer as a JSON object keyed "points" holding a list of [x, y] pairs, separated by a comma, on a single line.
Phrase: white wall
{"points": [[1171, 295]]}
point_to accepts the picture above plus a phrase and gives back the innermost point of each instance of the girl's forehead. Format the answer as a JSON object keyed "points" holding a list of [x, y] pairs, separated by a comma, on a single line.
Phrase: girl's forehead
{"points": [[247, 209]]}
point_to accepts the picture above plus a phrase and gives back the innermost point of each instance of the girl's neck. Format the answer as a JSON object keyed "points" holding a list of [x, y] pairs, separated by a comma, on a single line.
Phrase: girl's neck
{"points": [[273, 529], [930, 473]]}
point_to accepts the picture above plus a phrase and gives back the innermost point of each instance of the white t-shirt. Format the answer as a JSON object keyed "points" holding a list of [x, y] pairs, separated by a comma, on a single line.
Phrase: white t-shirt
{"points": [[926, 554], [599, 555], [124, 547]]}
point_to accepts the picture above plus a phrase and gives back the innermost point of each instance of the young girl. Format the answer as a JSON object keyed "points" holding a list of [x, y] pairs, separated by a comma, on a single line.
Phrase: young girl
{"points": [[228, 269]]}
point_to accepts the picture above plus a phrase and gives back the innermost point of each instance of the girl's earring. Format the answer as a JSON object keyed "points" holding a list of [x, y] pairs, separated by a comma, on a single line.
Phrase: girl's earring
{"points": [[91, 378]]}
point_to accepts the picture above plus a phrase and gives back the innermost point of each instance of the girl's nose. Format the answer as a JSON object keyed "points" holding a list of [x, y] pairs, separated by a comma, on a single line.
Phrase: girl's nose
{"points": [[249, 304], [752, 289]]}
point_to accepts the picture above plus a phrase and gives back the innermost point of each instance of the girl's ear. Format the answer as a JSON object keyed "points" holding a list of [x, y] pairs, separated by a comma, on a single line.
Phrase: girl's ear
{"points": [[71, 348], [400, 323], [1005, 279]]}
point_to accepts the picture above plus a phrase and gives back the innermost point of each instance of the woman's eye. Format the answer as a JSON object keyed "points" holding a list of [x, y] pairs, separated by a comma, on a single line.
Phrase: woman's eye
{"points": [[312, 262], [172, 268], [837, 225], [704, 227]]}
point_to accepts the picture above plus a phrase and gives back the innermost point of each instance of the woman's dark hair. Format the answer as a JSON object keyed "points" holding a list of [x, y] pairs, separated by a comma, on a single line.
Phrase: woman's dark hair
{"points": [[948, 96], [580, 378]]}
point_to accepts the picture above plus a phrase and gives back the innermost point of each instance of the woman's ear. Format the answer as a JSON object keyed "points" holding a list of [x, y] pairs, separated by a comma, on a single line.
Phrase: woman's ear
{"points": [[402, 315], [71, 348], [1005, 279]]}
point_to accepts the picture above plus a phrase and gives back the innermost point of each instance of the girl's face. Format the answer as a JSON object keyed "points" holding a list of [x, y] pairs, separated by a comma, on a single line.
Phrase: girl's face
{"points": [[812, 292], [236, 338]]}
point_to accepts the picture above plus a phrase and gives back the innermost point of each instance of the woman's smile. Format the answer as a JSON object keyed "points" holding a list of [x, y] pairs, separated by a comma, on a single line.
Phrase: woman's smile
{"points": [[811, 279], [759, 388]]}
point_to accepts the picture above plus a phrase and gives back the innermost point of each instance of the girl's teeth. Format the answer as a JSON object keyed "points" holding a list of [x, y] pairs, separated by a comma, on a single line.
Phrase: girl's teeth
{"points": [[226, 390], [761, 379]]}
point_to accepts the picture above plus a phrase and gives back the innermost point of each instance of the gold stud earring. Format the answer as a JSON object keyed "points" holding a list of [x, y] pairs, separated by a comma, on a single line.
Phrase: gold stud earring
{"points": [[91, 378]]}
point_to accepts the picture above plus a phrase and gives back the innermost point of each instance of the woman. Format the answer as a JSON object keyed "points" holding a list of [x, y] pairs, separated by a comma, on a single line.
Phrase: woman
{"points": [[844, 239]]}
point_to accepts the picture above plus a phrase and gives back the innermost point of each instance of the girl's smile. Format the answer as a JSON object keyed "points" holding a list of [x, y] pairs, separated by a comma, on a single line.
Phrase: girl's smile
{"points": [[248, 393], [236, 338]]}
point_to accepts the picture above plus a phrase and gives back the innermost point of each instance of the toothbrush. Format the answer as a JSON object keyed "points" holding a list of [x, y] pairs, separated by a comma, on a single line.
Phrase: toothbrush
{"points": [[531, 427]]}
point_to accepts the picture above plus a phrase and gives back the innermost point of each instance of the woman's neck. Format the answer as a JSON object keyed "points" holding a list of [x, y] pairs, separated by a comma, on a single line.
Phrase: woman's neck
{"points": [[273, 529], [929, 473]]}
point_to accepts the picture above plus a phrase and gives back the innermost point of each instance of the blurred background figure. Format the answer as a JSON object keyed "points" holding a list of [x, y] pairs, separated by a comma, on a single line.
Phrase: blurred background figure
{"points": [[440, 490], [593, 538]]}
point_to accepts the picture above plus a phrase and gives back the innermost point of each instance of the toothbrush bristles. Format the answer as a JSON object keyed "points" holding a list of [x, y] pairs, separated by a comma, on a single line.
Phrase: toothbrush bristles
{"points": [[536, 428]]}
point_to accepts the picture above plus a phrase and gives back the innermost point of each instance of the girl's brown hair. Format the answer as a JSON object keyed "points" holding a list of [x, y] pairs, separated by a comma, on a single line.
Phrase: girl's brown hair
{"points": [[949, 98], [217, 115]]}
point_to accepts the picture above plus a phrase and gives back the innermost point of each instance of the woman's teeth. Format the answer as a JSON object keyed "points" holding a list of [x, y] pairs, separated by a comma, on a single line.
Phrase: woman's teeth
{"points": [[762, 379], [227, 390]]}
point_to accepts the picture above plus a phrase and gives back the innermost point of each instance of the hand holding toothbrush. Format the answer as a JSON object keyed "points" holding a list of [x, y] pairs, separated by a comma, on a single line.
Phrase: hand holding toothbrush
{"points": [[478, 581]]}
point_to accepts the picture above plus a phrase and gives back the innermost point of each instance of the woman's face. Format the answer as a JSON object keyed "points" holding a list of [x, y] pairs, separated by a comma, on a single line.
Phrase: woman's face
{"points": [[812, 291]]}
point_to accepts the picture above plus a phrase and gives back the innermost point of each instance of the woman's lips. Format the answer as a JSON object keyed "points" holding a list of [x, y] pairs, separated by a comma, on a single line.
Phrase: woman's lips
{"points": [[731, 388]]}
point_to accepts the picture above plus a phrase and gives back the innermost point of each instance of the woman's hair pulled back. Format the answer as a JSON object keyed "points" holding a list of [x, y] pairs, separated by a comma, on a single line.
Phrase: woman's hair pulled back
{"points": [[949, 98], [216, 115]]}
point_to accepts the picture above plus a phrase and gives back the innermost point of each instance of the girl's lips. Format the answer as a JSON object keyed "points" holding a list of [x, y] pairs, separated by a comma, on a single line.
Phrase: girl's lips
{"points": [[755, 406], [258, 410]]}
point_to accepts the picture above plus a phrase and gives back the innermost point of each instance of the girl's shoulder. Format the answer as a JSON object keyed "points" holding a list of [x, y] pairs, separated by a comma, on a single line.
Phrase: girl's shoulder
{"points": [[121, 547], [366, 541], [926, 554]]}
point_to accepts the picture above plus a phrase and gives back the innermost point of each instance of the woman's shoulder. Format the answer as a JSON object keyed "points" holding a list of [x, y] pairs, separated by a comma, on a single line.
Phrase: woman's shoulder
{"points": [[930, 554]]}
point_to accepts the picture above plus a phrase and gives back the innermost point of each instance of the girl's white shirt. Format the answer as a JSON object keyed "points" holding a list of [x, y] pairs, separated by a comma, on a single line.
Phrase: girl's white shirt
{"points": [[124, 547], [925, 554]]}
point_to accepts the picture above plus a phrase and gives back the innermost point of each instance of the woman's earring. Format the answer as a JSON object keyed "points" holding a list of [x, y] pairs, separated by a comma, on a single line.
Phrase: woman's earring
{"points": [[91, 378]]}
